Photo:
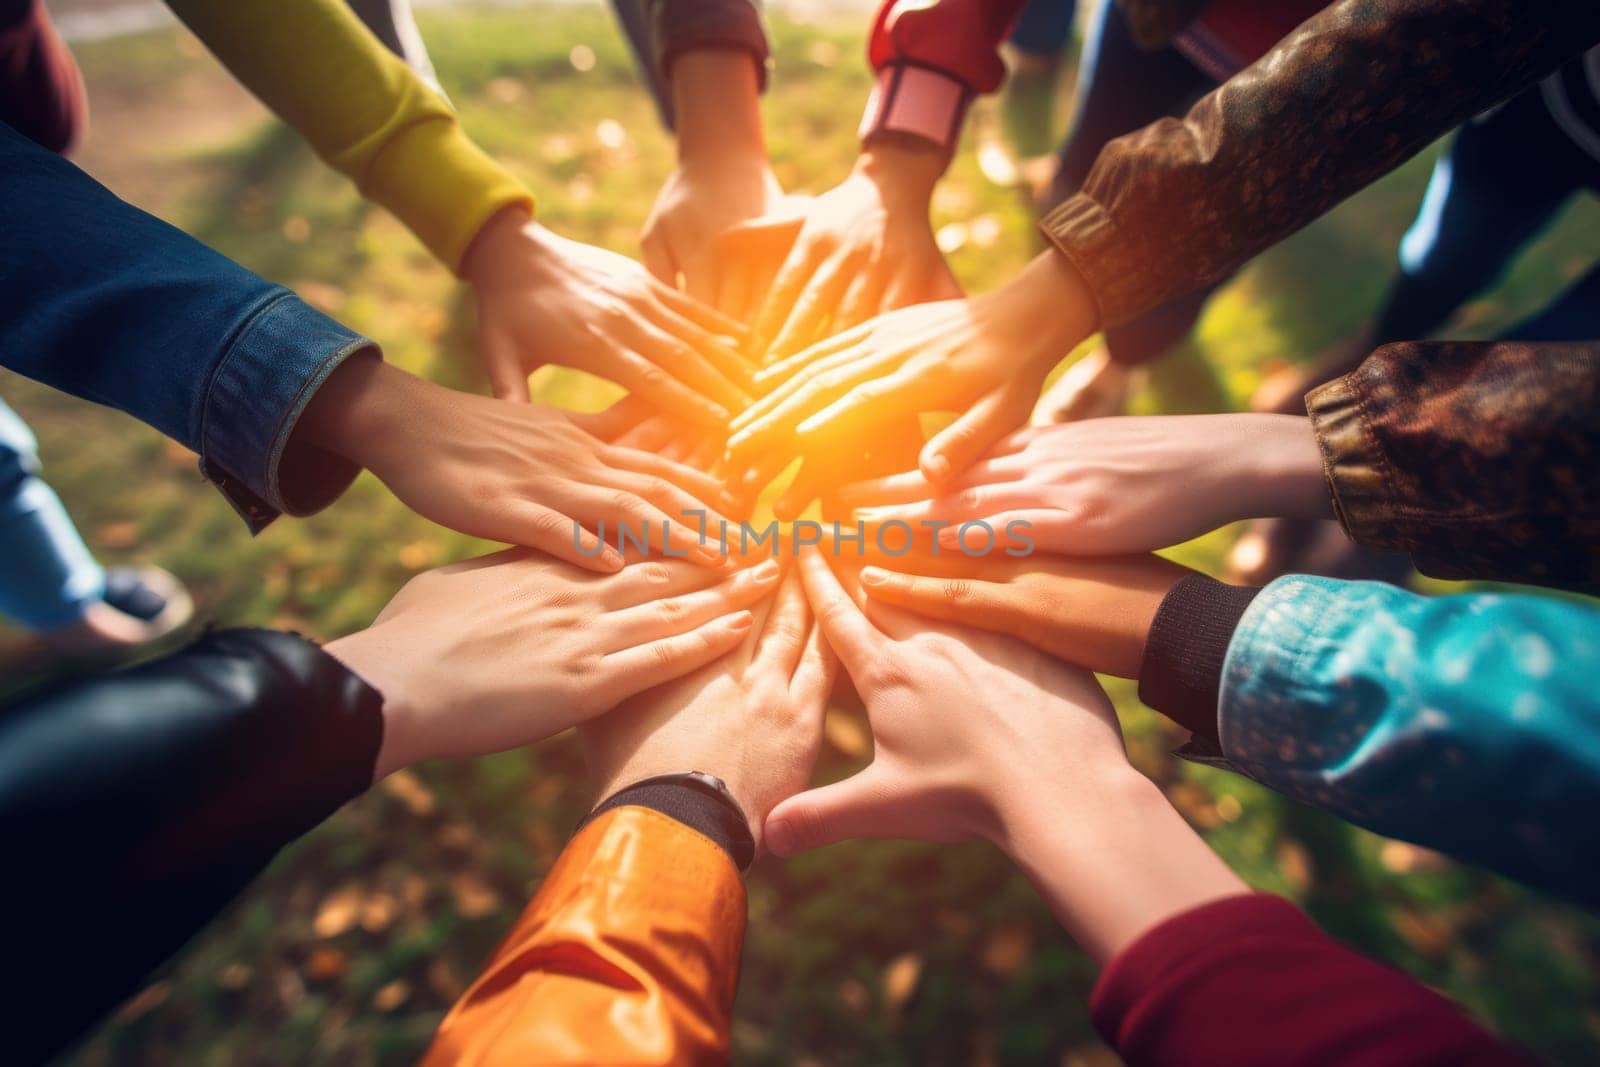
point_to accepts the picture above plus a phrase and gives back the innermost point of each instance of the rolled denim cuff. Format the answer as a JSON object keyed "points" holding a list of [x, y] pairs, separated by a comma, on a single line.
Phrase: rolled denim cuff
{"points": [[270, 371]]}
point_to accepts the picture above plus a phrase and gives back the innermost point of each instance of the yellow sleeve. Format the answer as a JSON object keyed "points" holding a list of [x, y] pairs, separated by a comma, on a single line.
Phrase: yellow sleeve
{"points": [[363, 111], [628, 955]]}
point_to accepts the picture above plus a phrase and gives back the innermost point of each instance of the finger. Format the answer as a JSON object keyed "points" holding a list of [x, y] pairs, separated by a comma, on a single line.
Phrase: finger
{"points": [[783, 637], [652, 621], [814, 675], [563, 537], [910, 486], [958, 446], [692, 524], [705, 317], [847, 629], [638, 523], [784, 371], [810, 482], [1028, 529], [658, 259], [811, 393], [508, 378], [961, 600], [867, 405], [816, 303], [803, 261], [720, 353], [861, 300], [657, 387], [614, 421], [863, 805], [704, 488], [978, 502], [631, 671], [664, 347]]}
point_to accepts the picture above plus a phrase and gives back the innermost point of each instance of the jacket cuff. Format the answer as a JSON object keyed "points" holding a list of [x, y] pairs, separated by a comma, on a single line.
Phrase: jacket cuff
{"points": [[1081, 229], [1181, 673], [717, 818], [682, 27], [1354, 464], [918, 101], [442, 185], [268, 374], [1168, 955]]}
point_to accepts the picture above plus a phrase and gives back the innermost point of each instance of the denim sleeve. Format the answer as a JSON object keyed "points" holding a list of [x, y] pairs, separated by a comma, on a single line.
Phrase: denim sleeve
{"points": [[1469, 724], [108, 303]]}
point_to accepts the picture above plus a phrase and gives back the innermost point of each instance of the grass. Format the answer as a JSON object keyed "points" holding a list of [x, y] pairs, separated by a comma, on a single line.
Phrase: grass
{"points": [[349, 949]]}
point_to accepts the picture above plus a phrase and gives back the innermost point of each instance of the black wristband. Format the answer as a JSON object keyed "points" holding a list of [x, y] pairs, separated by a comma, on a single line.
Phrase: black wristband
{"points": [[699, 801], [1181, 672]]}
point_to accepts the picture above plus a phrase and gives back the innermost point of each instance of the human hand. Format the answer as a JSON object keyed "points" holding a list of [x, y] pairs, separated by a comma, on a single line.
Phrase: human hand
{"points": [[504, 650], [979, 736], [522, 474], [1094, 387], [1109, 486], [723, 177], [1092, 613], [752, 718], [865, 247], [985, 357], [544, 299]]}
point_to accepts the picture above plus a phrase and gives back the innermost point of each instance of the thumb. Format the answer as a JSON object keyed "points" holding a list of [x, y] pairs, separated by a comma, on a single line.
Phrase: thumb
{"points": [[860, 806], [508, 380]]}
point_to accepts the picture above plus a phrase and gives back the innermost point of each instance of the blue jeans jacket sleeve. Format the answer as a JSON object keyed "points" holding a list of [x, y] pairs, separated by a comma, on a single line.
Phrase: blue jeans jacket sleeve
{"points": [[1469, 724], [103, 301]]}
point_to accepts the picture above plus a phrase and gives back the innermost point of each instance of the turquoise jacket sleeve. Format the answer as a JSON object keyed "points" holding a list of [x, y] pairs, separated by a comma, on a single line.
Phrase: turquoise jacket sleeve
{"points": [[1469, 724]]}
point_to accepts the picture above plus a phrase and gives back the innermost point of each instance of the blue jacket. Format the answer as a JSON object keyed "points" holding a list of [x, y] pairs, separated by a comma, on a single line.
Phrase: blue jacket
{"points": [[106, 302], [1469, 724]]}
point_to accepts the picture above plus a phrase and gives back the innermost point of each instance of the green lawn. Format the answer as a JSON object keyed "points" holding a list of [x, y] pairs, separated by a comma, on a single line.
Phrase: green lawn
{"points": [[349, 949]]}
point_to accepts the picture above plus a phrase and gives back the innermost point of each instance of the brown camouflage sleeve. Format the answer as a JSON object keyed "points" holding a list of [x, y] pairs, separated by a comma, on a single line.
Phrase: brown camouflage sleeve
{"points": [[1482, 460], [1347, 97]]}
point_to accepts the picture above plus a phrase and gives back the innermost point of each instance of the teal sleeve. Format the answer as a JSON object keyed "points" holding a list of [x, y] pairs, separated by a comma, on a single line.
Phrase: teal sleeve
{"points": [[1469, 724]]}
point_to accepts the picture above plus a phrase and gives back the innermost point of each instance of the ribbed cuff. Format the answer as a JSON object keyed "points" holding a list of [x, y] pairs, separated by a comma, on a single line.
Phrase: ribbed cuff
{"points": [[273, 367], [919, 101], [716, 818], [681, 27], [1181, 673]]}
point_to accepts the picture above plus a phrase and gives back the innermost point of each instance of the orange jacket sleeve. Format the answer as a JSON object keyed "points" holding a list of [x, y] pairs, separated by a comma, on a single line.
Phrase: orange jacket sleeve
{"points": [[628, 954]]}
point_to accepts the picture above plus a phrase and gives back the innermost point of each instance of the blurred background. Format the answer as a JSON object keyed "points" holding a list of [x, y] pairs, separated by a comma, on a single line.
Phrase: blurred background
{"points": [[352, 945]]}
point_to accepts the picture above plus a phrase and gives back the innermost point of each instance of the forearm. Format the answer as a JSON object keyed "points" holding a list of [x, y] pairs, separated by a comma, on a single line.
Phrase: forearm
{"points": [[363, 110], [716, 94], [105, 302], [164, 788], [1481, 460], [1114, 870], [679, 28], [1341, 101]]}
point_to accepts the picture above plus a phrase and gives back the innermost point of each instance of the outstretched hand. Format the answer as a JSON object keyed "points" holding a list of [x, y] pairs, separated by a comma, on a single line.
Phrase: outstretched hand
{"points": [[521, 474], [505, 650], [545, 299], [1109, 486]]}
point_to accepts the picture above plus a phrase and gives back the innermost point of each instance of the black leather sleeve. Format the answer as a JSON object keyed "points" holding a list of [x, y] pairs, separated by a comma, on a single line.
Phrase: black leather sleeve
{"points": [[135, 805]]}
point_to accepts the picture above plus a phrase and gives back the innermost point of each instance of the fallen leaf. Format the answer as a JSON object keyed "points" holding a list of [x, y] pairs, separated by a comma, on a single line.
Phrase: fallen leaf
{"points": [[326, 964], [1006, 950], [338, 911], [408, 789]]}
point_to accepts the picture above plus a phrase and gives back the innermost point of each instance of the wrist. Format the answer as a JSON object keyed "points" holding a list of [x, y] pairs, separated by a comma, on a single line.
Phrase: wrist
{"points": [[509, 231], [905, 168], [1047, 307], [715, 94], [356, 408], [364, 655], [1285, 477]]}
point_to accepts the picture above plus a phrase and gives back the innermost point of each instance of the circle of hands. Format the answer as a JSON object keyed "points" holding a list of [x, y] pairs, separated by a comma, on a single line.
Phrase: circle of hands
{"points": [[766, 330]]}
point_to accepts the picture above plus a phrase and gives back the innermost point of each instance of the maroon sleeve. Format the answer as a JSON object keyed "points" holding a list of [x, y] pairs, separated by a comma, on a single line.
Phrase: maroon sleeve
{"points": [[1251, 980], [679, 26]]}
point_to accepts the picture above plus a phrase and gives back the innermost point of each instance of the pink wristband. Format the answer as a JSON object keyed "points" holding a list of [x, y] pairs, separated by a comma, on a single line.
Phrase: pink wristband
{"points": [[916, 100]]}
